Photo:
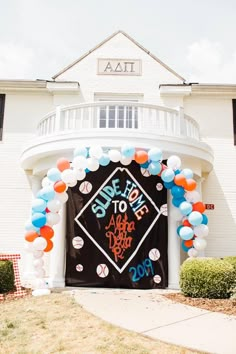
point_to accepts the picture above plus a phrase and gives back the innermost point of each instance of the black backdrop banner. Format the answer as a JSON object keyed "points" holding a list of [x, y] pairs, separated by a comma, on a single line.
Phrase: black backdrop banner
{"points": [[117, 229]]}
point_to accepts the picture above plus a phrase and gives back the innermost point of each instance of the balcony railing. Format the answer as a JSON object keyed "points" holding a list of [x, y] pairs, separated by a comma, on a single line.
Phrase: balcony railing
{"points": [[119, 115]]}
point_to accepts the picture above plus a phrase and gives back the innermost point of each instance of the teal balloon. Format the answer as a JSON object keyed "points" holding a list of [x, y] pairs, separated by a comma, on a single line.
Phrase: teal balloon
{"points": [[177, 192], [204, 219], [38, 219], [127, 150], [104, 160], [145, 165], [185, 208], [154, 168], [47, 193], [177, 201], [178, 229], [39, 205], [54, 174], [169, 185], [186, 233], [168, 175], [195, 218]]}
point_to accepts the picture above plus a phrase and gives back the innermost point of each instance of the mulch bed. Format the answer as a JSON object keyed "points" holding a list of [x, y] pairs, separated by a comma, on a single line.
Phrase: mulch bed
{"points": [[225, 306]]}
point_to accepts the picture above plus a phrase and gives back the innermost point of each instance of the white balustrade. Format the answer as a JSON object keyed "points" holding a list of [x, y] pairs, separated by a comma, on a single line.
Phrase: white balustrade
{"points": [[119, 115]]}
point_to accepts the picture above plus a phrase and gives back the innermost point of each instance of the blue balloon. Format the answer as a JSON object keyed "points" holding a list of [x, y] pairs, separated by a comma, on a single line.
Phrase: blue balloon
{"points": [[186, 233], [154, 168], [81, 151], [169, 185], [54, 174], [185, 208], [39, 219], [30, 226], [195, 218], [177, 201], [187, 173], [155, 154], [145, 165], [204, 219], [104, 160], [184, 247], [47, 193], [127, 150], [177, 192], [178, 229], [177, 172], [168, 175], [87, 170], [39, 205]]}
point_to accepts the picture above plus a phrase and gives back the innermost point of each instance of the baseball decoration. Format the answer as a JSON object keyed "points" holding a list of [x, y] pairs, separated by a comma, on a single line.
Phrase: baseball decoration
{"points": [[157, 279], [159, 187], [154, 254], [79, 268], [164, 210], [77, 242], [102, 270], [145, 172], [85, 187]]}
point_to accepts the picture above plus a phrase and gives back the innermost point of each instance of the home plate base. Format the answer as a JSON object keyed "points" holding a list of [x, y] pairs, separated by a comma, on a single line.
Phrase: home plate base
{"points": [[41, 292]]}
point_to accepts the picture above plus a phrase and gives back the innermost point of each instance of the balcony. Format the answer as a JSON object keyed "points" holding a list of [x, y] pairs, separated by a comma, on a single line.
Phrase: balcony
{"points": [[113, 124]]}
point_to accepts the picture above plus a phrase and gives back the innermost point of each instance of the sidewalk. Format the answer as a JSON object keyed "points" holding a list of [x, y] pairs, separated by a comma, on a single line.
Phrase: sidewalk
{"points": [[149, 313]]}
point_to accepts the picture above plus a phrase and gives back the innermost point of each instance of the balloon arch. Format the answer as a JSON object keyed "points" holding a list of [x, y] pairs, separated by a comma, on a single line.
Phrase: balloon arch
{"points": [[189, 209]]}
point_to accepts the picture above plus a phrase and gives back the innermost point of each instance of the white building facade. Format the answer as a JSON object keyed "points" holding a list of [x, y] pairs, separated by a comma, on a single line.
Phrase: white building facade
{"points": [[116, 93]]}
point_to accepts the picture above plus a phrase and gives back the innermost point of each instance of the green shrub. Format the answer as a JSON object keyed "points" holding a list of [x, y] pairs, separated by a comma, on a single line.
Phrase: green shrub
{"points": [[6, 277], [231, 260], [207, 278]]}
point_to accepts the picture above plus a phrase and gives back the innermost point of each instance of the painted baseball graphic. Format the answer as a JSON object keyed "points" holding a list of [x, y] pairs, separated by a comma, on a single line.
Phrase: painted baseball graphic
{"points": [[145, 172], [154, 254], [159, 187], [79, 268], [102, 270], [164, 210], [77, 242], [157, 279], [85, 187]]}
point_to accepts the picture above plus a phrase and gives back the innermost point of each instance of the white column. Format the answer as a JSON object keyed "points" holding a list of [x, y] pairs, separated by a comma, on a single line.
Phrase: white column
{"points": [[28, 271], [58, 253], [173, 248]]}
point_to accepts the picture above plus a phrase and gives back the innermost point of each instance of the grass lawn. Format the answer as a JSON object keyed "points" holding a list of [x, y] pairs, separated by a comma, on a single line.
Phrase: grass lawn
{"points": [[57, 324]]}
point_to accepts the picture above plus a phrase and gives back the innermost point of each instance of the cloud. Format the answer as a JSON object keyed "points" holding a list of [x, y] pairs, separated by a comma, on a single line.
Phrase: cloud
{"points": [[16, 61], [209, 63]]}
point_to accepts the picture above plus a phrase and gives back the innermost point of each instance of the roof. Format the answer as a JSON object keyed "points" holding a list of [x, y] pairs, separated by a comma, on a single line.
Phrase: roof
{"points": [[108, 39]]}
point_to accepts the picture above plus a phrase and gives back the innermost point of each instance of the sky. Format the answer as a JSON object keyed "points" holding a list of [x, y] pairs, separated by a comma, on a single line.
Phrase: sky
{"points": [[194, 37]]}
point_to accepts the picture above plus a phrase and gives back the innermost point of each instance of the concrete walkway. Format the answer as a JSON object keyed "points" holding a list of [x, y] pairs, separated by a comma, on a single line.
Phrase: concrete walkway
{"points": [[149, 313]]}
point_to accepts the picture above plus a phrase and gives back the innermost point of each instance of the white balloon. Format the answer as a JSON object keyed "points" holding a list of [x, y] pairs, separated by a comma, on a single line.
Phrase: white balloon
{"points": [[68, 176], [176, 214], [96, 152], [52, 218], [46, 182], [62, 197], [201, 230], [192, 252], [174, 162], [80, 175], [125, 160], [114, 155], [38, 263], [40, 284], [39, 244], [37, 254], [72, 184], [192, 197], [54, 205], [92, 164], [199, 244], [79, 162], [40, 273]]}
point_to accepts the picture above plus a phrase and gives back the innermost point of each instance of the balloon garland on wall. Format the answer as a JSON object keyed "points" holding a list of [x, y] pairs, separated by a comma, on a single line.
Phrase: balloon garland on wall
{"points": [[188, 211]]}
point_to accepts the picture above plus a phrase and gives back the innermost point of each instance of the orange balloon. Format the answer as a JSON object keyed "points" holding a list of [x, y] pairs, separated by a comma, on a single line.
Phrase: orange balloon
{"points": [[49, 246], [141, 156], [190, 184], [59, 187], [180, 180], [188, 243], [46, 231], [63, 164], [199, 206], [186, 223], [31, 235]]}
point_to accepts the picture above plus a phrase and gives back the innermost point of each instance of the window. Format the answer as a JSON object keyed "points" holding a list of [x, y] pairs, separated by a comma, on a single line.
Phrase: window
{"points": [[118, 116], [2, 104], [234, 119]]}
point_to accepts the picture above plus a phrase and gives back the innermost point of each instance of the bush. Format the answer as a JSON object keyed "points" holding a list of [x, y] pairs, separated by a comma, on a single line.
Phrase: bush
{"points": [[231, 260], [207, 278], [6, 277]]}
